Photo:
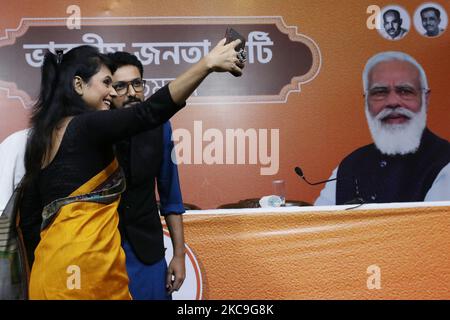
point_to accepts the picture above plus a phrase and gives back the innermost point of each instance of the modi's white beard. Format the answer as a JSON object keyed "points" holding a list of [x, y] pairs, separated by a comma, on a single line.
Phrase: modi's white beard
{"points": [[397, 139]]}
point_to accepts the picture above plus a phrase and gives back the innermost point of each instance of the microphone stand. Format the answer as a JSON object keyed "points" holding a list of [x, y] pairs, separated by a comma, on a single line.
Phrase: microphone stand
{"points": [[358, 200]]}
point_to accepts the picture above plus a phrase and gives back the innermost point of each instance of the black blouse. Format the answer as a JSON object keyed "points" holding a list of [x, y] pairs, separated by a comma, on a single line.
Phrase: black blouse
{"points": [[86, 149]]}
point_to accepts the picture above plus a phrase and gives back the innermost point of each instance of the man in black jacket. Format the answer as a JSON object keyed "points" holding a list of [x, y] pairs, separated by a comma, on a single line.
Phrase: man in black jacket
{"points": [[146, 161]]}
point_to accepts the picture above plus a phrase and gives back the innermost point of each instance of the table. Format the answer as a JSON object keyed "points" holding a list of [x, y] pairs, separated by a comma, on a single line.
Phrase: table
{"points": [[377, 251]]}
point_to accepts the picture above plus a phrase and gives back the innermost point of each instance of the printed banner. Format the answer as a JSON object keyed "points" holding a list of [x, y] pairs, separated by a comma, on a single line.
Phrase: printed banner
{"points": [[299, 102], [166, 47]]}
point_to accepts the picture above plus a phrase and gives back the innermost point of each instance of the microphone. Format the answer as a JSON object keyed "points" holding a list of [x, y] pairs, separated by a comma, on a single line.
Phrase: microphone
{"points": [[299, 172], [357, 200]]}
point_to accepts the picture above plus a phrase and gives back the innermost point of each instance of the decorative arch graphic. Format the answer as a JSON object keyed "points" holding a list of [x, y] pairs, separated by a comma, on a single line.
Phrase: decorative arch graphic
{"points": [[280, 59]]}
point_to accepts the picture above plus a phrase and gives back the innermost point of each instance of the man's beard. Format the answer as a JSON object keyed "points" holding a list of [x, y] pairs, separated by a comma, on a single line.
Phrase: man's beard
{"points": [[131, 101], [399, 138]]}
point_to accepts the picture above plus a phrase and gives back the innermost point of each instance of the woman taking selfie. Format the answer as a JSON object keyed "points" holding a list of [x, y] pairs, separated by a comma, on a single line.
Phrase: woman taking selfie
{"points": [[73, 181]]}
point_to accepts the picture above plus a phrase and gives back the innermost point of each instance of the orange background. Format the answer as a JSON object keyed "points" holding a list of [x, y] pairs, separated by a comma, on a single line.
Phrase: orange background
{"points": [[318, 126]]}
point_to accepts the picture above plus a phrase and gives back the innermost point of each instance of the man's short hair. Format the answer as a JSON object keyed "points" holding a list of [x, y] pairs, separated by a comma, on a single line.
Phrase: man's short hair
{"points": [[393, 56], [122, 58], [392, 11], [436, 11]]}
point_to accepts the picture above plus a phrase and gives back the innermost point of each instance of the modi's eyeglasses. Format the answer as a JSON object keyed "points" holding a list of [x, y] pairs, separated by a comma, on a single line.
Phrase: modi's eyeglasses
{"points": [[122, 87]]}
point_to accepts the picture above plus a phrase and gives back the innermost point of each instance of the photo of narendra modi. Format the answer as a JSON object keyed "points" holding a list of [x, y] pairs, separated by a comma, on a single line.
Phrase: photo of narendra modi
{"points": [[406, 161]]}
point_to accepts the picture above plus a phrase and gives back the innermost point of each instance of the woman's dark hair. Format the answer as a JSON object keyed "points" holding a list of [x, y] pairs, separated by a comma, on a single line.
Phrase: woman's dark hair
{"points": [[58, 99]]}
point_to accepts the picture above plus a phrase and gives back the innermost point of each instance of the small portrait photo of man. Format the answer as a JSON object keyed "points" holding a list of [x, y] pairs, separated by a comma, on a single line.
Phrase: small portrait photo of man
{"points": [[395, 23], [430, 20]]}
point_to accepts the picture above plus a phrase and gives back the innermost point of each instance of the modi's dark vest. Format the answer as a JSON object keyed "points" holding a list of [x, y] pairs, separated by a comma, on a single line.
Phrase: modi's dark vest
{"points": [[379, 178]]}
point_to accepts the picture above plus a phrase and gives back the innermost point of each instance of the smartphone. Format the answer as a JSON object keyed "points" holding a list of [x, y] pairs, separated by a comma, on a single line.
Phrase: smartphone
{"points": [[231, 35]]}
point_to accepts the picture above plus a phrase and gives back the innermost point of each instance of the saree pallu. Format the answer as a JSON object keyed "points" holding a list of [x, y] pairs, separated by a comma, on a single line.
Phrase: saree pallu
{"points": [[80, 254]]}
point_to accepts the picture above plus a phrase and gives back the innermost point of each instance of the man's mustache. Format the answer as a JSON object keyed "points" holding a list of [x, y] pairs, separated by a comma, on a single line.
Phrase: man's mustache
{"points": [[400, 111], [131, 100]]}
